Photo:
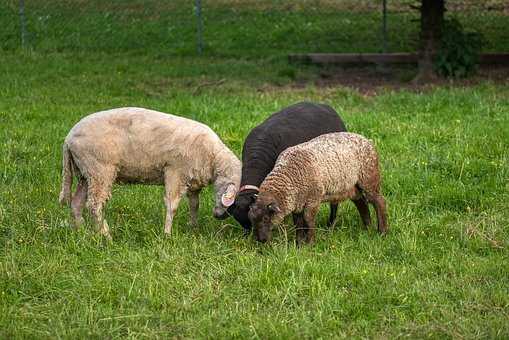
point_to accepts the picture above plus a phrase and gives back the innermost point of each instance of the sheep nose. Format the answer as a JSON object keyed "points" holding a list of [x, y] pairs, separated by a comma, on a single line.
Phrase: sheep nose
{"points": [[220, 213], [262, 238]]}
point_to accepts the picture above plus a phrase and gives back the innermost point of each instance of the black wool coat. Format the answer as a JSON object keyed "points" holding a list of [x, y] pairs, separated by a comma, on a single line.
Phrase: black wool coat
{"points": [[292, 125]]}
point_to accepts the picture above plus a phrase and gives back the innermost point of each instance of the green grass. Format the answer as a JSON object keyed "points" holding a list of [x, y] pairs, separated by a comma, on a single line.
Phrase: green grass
{"points": [[441, 272]]}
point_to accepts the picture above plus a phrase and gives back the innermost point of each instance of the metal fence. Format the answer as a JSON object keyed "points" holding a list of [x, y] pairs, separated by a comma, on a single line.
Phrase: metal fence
{"points": [[233, 27]]}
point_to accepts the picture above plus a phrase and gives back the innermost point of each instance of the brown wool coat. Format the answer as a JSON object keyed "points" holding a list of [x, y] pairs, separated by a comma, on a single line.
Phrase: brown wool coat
{"points": [[330, 168]]}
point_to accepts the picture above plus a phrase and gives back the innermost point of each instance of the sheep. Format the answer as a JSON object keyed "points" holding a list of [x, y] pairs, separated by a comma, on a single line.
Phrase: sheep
{"points": [[329, 168], [293, 125], [137, 145]]}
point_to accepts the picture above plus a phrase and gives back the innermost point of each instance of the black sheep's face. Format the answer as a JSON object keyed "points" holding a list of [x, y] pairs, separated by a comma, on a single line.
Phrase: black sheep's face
{"points": [[240, 209], [261, 216]]}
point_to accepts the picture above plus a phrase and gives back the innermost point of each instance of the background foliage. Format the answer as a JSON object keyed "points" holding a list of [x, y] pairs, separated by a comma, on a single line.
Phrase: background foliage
{"points": [[459, 50], [236, 28]]}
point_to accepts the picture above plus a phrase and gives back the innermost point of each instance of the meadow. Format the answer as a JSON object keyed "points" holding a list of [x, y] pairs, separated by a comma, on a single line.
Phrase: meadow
{"points": [[441, 272]]}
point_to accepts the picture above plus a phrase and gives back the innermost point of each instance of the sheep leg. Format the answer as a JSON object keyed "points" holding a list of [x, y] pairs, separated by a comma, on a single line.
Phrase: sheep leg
{"points": [[300, 227], [194, 204], [103, 229], [373, 196], [173, 194], [333, 213], [363, 208], [309, 219], [78, 202], [381, 212], [99, 191]]}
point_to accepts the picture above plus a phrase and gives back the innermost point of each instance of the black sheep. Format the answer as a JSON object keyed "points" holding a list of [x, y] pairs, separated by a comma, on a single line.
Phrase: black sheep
{"points": [[293, 125]]}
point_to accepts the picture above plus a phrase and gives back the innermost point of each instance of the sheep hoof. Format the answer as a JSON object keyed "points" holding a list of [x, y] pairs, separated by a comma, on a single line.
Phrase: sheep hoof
{"points": [[64, 201], [78, 223], [104, 231], [107, 236]]}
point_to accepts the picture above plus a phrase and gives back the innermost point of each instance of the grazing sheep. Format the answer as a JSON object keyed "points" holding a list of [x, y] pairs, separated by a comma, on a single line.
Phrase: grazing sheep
{"points": [[136, 145], [332, 167], [293, 125]]}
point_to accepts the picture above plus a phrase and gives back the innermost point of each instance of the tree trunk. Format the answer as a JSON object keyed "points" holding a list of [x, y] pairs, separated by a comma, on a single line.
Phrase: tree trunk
{"points": [[432, 18]]}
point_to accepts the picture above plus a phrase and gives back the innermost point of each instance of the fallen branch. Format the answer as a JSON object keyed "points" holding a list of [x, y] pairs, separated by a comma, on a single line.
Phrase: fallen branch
{"points": [[205, 84]]}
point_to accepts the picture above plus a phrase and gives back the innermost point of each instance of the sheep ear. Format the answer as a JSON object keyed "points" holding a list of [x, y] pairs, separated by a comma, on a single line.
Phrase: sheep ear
{"points": [[228, 197], [273, 208]]}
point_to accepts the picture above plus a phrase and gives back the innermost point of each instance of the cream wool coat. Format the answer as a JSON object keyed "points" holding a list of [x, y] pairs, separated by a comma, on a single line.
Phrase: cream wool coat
{"points": [[136, 145]]}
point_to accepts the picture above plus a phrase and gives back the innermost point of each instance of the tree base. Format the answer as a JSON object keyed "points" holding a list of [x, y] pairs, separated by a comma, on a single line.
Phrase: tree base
{"points": [[424, 77]]}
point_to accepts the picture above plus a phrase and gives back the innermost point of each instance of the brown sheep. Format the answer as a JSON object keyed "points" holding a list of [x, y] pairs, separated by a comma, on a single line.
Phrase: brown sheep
{"points": [[329, 168]]}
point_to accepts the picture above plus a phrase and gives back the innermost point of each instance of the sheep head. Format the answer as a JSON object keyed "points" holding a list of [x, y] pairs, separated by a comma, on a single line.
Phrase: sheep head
{"points": [[240, 208], [225, 196], [262, 215]]}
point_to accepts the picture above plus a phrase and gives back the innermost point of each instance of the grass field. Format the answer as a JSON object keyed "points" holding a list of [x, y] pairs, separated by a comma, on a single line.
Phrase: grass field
{"points": [[441, 272]]}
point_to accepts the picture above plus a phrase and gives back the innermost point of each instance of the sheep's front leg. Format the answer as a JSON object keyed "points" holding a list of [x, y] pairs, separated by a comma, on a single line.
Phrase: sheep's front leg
{"points": [[309, 218], [300, 227], [194, 204], [333, 214], [173, 193]]}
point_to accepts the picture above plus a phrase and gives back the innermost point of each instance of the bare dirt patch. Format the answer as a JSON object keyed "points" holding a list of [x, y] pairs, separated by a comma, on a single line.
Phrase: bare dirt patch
{"points": [[373, 80]]}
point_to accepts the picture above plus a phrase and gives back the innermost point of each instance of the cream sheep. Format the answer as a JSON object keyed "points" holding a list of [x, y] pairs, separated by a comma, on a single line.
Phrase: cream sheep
{"points": [[136, 145], [329, 168]]}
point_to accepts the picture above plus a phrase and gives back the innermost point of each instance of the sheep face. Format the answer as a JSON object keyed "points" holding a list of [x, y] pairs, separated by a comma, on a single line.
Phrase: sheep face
{"points": [[225, 196], [262, 215], [240, 209]]}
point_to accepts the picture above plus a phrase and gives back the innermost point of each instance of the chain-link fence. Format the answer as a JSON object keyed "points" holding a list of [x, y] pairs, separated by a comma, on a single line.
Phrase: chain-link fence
{"points": [[233, 27]]}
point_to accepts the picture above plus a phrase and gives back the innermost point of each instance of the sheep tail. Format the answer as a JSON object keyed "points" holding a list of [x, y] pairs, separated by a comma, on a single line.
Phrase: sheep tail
{"points": [[67, 166]]}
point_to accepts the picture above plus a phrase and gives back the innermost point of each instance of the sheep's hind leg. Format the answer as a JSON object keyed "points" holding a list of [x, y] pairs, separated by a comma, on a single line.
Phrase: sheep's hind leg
{"points": [[381, 212], [378, 202], [99, 191], [174, 191], [78, 202], [333, 213], [194, 204], [363, 208]]}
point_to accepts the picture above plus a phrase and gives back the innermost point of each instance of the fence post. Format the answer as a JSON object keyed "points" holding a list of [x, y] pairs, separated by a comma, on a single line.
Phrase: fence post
{"points": [[384, 26], [382, 67], [199, 25], [22, 20]]}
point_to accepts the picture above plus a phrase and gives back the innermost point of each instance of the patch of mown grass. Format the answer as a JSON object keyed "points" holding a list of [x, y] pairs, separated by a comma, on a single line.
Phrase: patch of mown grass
{"points": [[440, 272]]}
